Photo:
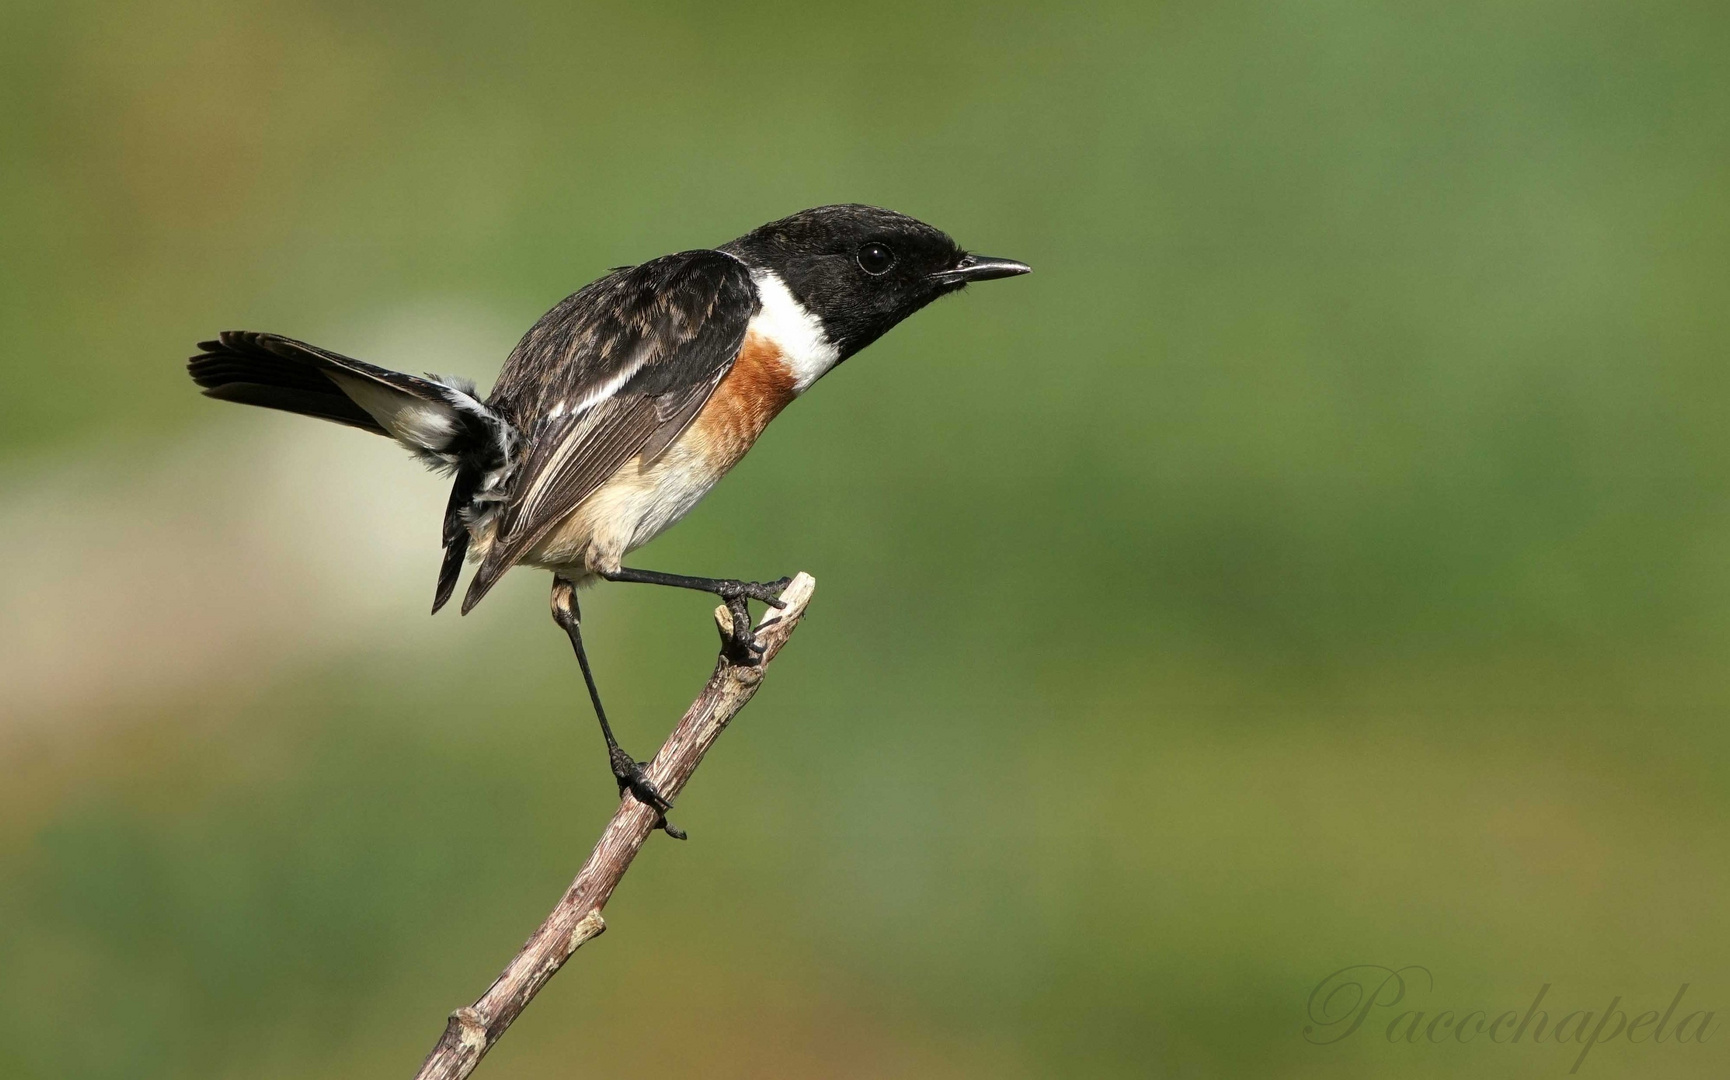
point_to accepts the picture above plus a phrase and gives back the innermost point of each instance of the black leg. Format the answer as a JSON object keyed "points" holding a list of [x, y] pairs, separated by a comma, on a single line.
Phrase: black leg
{"points": [[626, 770], [742, 643]]}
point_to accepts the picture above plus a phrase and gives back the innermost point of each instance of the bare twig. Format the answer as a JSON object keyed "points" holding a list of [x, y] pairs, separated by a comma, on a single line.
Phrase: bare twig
{"points": [[474, 1029]]}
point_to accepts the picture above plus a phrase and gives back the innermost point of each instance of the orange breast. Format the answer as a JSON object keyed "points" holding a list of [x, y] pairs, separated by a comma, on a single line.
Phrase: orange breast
{"points": [[757, 388]]}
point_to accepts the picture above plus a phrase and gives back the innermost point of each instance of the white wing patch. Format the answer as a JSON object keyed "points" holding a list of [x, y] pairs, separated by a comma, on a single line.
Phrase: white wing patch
{"points": [[610, 387]]}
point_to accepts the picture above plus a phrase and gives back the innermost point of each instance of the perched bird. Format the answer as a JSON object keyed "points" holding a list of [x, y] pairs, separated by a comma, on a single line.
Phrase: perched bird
{"points": [[625, 403]]}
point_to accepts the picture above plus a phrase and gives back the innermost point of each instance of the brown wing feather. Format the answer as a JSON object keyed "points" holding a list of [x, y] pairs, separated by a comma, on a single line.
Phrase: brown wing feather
{"points": [[668, 330]]}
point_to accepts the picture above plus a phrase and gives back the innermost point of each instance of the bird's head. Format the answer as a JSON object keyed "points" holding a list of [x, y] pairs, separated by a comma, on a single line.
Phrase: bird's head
{"points": [[861, 269]]}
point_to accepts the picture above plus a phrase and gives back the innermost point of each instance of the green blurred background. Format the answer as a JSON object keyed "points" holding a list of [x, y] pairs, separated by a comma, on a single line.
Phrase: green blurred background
{"points": [[1322, 559]]}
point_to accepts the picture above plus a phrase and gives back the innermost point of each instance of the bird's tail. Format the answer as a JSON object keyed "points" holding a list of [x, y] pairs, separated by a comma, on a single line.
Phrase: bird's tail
{"points": [[440, 420], [437, 419]]}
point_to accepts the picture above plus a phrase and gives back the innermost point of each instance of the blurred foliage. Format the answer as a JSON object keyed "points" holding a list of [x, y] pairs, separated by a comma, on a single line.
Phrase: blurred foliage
{"points": [[1319, 560]]}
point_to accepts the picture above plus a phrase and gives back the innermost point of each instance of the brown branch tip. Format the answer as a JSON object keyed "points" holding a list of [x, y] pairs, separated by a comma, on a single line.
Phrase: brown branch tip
{"points": [[475, 1029]]}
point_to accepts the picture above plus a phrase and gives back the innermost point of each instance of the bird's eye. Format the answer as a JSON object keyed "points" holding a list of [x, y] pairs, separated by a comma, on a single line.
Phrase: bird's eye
{"points": [[875, 258]]}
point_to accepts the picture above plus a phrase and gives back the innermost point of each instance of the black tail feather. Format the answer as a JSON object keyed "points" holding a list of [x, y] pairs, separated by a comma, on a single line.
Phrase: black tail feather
{"points": [[440, 420], [452, 566], [456, 535], [240, 367]]}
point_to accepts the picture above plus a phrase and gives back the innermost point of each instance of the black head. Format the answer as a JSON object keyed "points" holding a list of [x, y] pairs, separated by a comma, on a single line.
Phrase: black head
{"points": [[862, 269]]}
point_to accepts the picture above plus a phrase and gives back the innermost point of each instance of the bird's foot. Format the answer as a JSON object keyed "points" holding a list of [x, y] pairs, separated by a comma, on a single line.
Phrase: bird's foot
{"points": [[767, 591], [631, 777], [741, 645]]}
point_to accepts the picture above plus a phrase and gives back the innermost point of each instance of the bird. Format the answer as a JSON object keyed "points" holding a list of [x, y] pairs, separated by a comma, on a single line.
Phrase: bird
{"points": [[624, 404]]}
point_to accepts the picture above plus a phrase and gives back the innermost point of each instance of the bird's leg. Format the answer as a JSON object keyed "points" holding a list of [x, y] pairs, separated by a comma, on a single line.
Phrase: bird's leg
{"points": [[742, 645], [626, 770]]}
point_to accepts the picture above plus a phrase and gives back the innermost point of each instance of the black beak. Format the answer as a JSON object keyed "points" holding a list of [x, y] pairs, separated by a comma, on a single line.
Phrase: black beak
{"points": [[981, 268]]}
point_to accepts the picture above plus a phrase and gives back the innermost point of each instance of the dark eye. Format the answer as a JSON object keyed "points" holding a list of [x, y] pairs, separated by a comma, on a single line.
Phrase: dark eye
{"points": [[875, 258]]}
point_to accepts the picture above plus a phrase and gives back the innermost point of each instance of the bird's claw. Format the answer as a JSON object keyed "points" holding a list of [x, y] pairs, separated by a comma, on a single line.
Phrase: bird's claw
{"points": [[632, 778], [769, 592], [739, 642]]}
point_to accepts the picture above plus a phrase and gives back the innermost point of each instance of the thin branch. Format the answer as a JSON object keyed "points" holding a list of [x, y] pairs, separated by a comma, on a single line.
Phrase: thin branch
{"points": [[474, 1029]]}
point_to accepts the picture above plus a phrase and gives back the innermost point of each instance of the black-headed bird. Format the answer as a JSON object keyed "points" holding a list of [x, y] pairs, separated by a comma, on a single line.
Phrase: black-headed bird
{"points": [[620, 409]]}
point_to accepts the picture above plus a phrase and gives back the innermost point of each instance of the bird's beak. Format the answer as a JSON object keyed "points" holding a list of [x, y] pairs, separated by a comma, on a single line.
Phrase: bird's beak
{"points": [[981, 268]]}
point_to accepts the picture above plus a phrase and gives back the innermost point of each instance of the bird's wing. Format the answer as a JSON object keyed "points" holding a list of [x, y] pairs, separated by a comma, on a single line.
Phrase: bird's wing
{"points": [[618, 369]]}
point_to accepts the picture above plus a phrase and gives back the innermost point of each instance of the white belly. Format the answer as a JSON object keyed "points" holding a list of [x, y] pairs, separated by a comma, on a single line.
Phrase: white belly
{"points": [[629, 510]]}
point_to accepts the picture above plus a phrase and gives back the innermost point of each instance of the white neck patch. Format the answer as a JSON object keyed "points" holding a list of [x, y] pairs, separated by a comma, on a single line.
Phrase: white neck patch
{"points": [[796, 332]]}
